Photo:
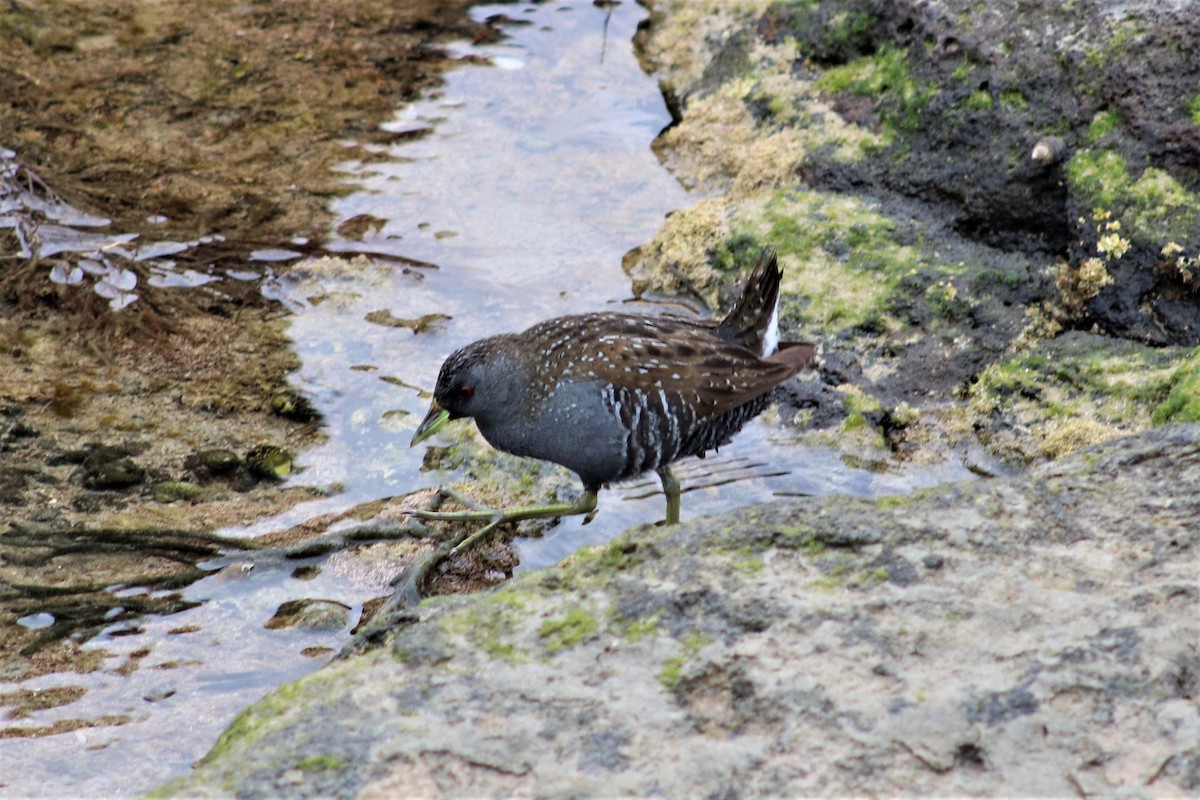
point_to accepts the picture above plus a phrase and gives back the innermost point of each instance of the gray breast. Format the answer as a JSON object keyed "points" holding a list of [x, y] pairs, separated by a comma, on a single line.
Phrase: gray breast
{"points": [[572, 426]]}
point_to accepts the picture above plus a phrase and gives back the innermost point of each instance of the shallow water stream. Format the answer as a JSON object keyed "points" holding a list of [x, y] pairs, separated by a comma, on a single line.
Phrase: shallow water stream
{"points": [[528, 181]]}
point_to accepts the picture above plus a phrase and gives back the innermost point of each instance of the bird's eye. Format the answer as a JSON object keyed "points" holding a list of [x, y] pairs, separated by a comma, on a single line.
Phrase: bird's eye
{"points": [[465, 391]]}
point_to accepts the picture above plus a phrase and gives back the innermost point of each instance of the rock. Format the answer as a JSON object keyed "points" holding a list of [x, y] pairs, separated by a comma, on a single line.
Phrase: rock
{"points": [[315, 615], [1083, 117], [171, 491], [293, 405], [792, 649], [20, 430], [952, 187], [270, 462], [238, 570], [306, 573], [213, 462], [13, 481], [107, 467]]}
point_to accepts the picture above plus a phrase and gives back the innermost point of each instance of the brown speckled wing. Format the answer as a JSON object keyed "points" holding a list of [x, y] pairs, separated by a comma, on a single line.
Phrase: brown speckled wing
{"points": [[682, 358]]}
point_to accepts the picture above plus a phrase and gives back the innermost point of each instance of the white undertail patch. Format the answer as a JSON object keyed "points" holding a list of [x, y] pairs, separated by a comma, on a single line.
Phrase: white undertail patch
{"points": [[771, 337]]}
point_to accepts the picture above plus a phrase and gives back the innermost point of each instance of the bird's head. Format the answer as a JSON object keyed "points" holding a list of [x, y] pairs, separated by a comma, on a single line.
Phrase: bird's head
{"points": [[474, 382]]}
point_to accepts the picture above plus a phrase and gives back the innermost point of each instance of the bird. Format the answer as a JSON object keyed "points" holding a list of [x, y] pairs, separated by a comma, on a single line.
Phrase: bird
{"points": [[611, 396]]}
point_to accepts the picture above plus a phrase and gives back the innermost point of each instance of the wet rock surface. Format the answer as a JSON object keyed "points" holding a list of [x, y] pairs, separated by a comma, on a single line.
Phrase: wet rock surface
{"points": [[1033, 635]]}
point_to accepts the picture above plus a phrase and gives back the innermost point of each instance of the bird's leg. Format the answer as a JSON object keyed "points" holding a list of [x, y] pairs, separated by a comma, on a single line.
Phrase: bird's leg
{"points": [[495, 517], [671, 489]]}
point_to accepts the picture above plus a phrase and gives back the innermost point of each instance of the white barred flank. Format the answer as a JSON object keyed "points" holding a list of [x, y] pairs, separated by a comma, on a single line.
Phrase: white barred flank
{"points": [[660, 427]]}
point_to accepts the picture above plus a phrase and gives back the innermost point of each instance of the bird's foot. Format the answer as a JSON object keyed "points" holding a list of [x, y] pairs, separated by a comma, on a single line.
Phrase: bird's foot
{"points": [[444, 493], [495, 517]]}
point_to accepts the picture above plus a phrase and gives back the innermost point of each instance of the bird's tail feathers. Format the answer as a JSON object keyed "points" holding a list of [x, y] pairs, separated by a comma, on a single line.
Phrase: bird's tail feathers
{"points": [[754, 320]]}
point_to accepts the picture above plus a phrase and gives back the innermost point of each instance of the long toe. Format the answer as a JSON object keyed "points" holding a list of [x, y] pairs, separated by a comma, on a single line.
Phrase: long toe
{"points": [[481, 515]]}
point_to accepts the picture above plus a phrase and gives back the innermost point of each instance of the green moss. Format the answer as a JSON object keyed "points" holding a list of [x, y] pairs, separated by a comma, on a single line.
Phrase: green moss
{"points": [[803, 539], [1099, 177], [781, 107], [866, 578], [497, 647], [825, 584], [835, 577], [903, 415], [1013, 100], [854, 422], [1102, 124], [319, 764], [737, 253], [1119, 371], [747, 561], [671, 672], [962, 72], [169, 789], [638, 629], [841, 258], [891, 501], [488, 623], [529, 476], [944, 299], [672, 668], [604, 561], [1161, 209], [568, 631], [1115, 47], [1153, 209], [1183, 400], [884, 74], [845, 26], [859, 405], [248, 726], [978, 100], [1194, 109], [1073, 392], [843, 266], [508, 598]]}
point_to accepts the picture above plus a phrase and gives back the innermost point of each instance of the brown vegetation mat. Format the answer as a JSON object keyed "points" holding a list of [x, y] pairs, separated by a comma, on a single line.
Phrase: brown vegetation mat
{"points": [[226, 119]]}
